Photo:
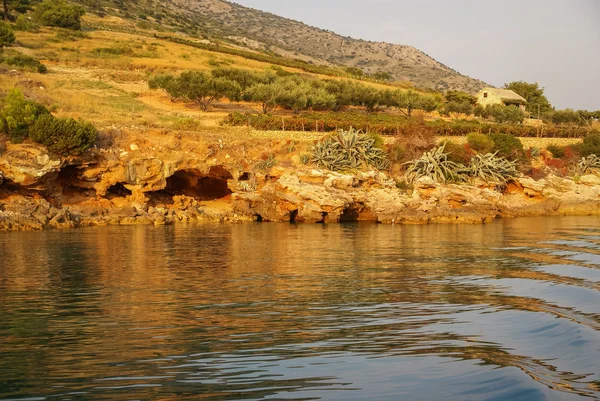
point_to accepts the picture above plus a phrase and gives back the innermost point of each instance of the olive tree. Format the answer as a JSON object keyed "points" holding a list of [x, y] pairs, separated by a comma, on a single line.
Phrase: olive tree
{"points": [[198, 87], [7, 36]]}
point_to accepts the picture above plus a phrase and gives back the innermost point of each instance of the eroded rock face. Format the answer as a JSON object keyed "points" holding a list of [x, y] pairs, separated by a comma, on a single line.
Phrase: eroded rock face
{"points": [[27, 164], [38, 191]]}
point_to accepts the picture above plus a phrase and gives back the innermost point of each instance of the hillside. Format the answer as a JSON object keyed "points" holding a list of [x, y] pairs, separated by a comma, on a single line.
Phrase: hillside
{"points": [[219, 19]]}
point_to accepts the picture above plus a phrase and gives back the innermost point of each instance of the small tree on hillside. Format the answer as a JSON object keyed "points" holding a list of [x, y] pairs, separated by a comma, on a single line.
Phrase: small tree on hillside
{"points": [[501, 114], [265, 94], [203, 89], [244, 78], [536, 100], [17, 114], [456, 96], [20, 6], [60, 14], [168, 83], [7, 36], [410, 101], [456, 107]]}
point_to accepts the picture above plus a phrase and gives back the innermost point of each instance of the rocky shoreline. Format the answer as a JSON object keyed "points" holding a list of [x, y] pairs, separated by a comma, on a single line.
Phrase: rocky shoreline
{"points": [[41, 191]]}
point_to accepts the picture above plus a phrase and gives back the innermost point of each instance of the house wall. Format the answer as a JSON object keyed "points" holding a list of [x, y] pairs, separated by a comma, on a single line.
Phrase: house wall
{"points": [[490, 100]]}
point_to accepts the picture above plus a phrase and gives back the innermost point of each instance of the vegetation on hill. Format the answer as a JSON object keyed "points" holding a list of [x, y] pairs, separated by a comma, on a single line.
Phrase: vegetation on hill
{"points": [[533, 93], [268, 35], [290, 91], [21, 118], [104, 77], [7, 36], [59, 13]]}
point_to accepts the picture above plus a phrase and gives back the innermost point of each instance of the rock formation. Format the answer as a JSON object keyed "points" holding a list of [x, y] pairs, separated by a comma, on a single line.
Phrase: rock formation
{"points": [[39, 191]]}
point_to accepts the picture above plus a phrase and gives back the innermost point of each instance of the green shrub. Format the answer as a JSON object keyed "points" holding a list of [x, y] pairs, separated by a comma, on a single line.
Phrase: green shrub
{"points": [[113, 51], [590, 145], [24, 24], [7, 36], [17, 114], [59, 13], [501, 114], [558, 152], [458, 153], [507, 146], [482, 143], [63, 135], [455, 96], [66, 35], [25, 62], [378, 141], [455, 107]]}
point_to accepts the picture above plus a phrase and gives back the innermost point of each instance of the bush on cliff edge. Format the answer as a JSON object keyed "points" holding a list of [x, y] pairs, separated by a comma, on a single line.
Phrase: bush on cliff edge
{"points": [[63, 135], [21, 118]]}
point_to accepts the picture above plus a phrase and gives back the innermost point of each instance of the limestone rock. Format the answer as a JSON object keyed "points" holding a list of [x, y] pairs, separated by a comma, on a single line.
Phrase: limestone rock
{"points": [[27, 164]]}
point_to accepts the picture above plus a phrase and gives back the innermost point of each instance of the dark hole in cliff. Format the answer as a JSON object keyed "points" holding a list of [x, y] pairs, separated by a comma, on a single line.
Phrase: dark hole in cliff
{"points": [[70, 186], [293, 216], [200, 186], [324, 217], [117, 190], [7, 189], [349, 214], [220, 172], [245, 177], [258, 218]]}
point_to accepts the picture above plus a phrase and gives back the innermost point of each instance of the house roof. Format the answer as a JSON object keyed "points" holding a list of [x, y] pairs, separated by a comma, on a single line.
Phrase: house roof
{"points": [[505, 94]]}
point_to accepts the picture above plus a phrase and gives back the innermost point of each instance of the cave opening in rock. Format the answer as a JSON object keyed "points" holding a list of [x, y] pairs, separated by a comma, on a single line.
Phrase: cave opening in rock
{"points": [[245, 177], [71, 186], [324, 217], [293, 216], [199, 186], [117, 190], [258, 218], [349, 214]]}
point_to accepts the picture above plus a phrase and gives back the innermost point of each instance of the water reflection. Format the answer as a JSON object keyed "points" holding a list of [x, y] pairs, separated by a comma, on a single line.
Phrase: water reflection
{"points": [[338, 312]]}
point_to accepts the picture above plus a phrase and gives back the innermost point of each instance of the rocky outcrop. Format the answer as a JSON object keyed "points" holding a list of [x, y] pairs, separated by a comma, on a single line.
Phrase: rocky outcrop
{"points": [[27, 164], [39, 191]]}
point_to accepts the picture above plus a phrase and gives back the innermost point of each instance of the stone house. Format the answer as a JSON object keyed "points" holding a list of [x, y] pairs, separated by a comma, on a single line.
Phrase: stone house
{"points": [[490, 96]]}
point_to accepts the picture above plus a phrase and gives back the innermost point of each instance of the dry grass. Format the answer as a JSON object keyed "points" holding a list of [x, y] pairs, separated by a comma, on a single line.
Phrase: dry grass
{"points": [[112, 91]]}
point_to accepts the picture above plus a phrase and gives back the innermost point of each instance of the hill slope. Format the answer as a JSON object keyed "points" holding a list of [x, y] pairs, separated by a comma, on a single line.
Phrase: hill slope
{"points": [[265, 31]]}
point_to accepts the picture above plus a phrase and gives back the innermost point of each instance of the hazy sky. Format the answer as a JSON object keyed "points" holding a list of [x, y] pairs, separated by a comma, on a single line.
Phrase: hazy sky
{"points": [[553, 42]]}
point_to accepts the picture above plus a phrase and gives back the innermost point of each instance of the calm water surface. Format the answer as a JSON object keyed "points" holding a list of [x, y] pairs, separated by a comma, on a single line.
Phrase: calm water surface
{"points": [[507, 311]]}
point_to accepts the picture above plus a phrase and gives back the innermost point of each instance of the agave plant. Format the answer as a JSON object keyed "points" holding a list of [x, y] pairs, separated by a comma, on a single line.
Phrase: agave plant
{"points": [[588, 164], [491, 168], [435, 165], [349, 150], [266, 164]]}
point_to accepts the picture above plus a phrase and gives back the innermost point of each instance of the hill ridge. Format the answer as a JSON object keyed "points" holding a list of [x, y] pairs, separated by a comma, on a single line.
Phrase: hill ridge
{"points": [[262, 30]]}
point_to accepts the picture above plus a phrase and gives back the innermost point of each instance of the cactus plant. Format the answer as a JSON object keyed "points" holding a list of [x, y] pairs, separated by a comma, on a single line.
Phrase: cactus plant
{"points": [[266, 164], [588, 164], [491, 168], [349, 150], [435, 165]]}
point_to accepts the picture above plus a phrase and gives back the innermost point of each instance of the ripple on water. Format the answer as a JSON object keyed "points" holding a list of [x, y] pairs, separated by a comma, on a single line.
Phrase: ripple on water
{"points": [[507, 311]]}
